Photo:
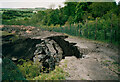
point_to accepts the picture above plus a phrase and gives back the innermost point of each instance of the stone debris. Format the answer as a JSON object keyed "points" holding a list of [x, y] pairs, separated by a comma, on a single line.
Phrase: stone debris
{"points": [[47, 48], [48, 52]]}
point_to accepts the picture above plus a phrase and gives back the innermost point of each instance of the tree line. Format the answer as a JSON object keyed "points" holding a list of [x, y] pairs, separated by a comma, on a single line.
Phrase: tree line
{"points": [[94, 20], [75, 12]]}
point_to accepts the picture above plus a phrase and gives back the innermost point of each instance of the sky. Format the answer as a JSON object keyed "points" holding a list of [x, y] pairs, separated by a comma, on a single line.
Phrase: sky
{"points": [[33, 3], [30, 3]]}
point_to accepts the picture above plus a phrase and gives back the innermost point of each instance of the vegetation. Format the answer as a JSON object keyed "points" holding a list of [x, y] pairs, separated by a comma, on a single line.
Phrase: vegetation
{"points": [[10, 71], [31, 71], [91, 20], [112, 65], [4, 33], [57, 74], [28, 69], [13, 15]]}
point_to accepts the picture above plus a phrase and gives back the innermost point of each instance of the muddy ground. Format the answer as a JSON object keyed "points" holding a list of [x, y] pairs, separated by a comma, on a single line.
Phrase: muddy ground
{"points": [[99, 61]]}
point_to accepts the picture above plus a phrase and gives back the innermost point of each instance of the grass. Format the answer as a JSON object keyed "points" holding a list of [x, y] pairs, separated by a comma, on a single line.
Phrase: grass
{"points": [[2, 33], [73, 30], [65, 63], [57, 74], [31, 71], [28, 69], [113, 66], [10, 71]]}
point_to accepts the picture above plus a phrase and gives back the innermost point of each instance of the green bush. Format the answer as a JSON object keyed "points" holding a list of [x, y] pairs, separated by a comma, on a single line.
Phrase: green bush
{"points": [[29, 69], [57, 74], [32, 72], [10, 71]]}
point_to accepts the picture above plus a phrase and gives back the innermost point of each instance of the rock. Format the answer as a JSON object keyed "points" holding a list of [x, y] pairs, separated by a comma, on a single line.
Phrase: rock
{"points": [[49, 53], [40, 46], [21, 48], [14, 59], [67, 48], [51, 47]]}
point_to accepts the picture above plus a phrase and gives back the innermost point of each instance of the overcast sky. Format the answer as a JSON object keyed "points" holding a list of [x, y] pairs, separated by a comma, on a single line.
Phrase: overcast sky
{"points": [[32, 3]]}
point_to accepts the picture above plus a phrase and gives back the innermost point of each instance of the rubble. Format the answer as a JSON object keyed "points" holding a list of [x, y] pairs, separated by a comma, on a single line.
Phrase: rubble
{"points": [[47, 48]]}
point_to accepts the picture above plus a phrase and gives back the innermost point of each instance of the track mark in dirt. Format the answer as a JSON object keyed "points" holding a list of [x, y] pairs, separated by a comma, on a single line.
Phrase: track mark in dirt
{"points": [[95, 64]]}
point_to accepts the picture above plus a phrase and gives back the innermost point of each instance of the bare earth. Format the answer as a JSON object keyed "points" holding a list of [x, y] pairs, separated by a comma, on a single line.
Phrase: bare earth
{"points": [[97, 62]]}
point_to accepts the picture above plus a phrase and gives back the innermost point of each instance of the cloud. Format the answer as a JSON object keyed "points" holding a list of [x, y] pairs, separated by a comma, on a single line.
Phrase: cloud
{"points": [[35, 3], [32, 0], [29, 4], [117, 1]]}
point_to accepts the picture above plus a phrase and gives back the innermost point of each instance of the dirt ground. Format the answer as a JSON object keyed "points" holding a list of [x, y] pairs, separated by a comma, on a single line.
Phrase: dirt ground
{"points": [[99, 61]]}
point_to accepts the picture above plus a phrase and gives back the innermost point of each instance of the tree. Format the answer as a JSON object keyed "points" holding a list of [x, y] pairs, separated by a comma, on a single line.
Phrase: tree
{"points": [[101, 8], [81, 8]]}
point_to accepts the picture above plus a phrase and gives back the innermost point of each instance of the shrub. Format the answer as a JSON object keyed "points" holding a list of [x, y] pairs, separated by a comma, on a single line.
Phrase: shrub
{"points": [[29, 69], [32, 72], [10, 71], [57, 74]]}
